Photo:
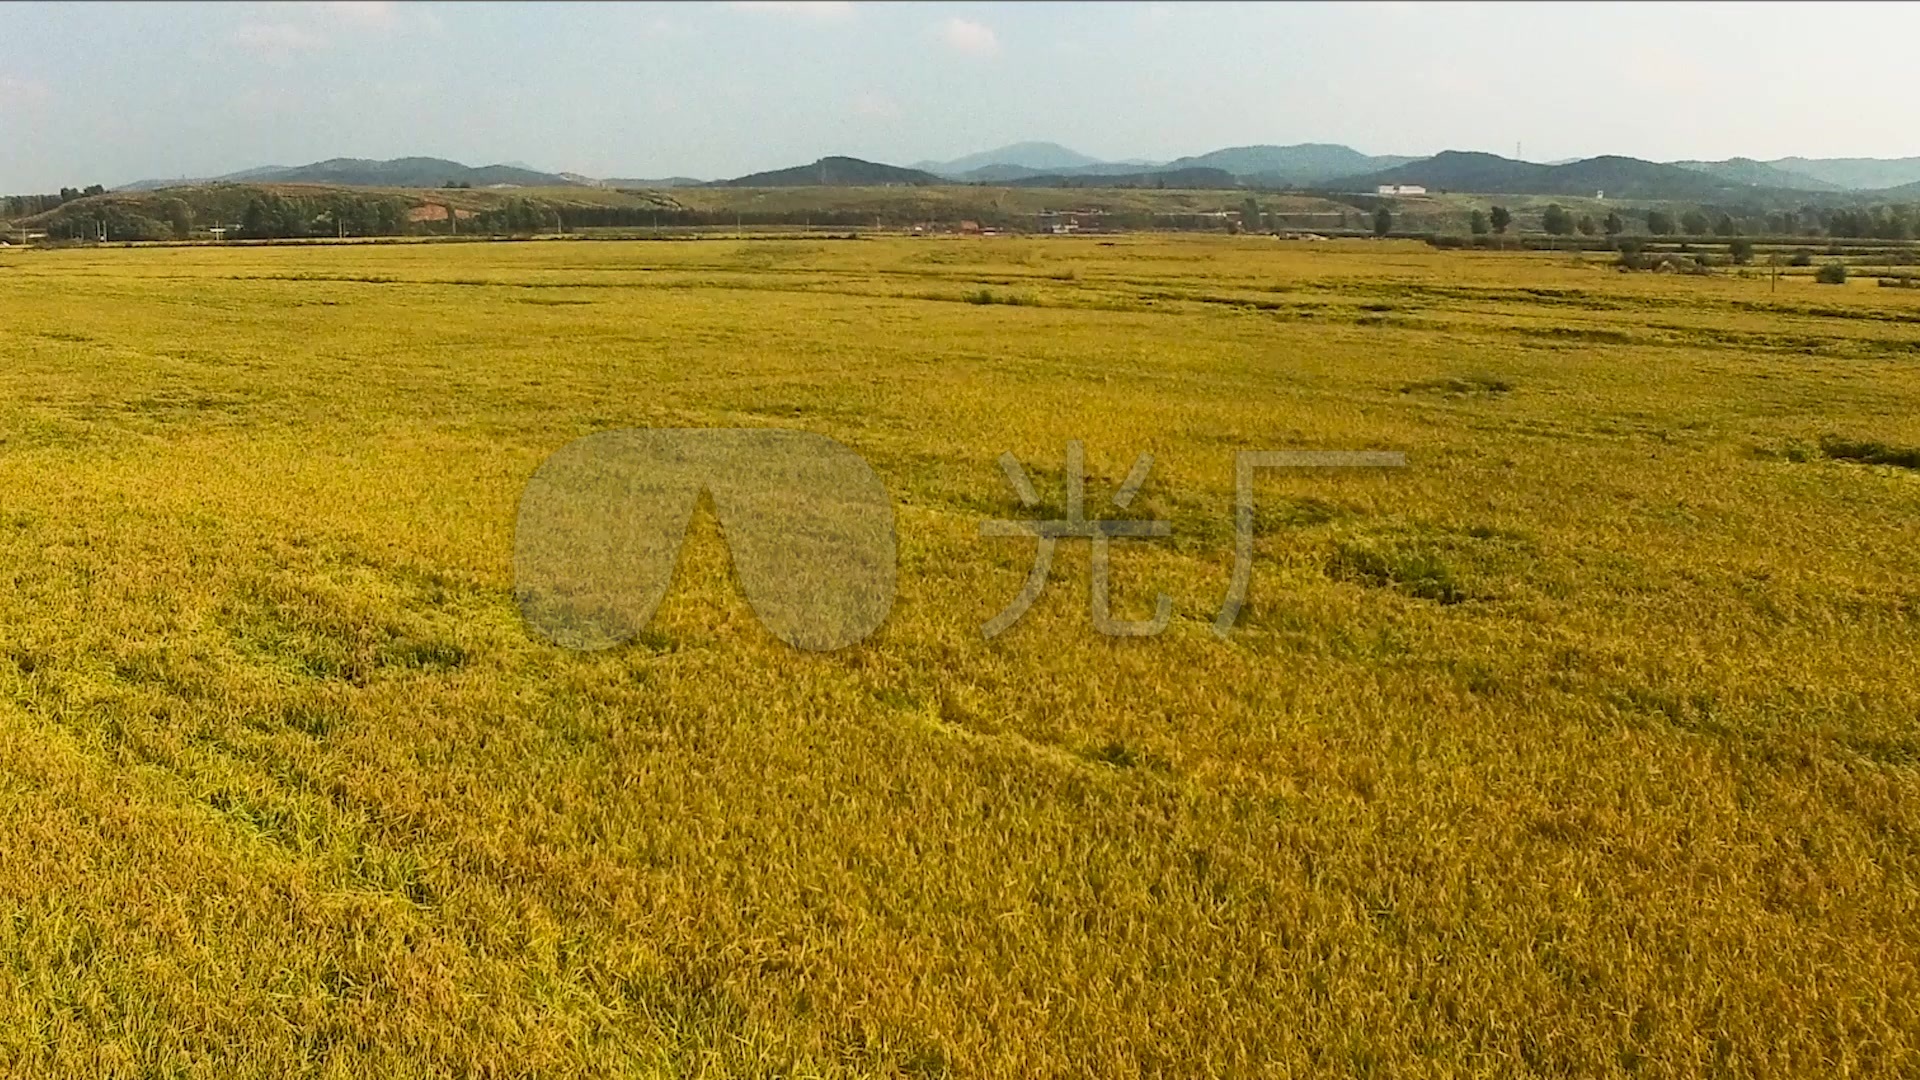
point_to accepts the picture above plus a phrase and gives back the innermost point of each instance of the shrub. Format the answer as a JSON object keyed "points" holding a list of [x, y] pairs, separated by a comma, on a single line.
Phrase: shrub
{"points": [[1801, 258], [1870, 452], [1469, 385], [1740, 250], [1833, 273], [1417, 571]]}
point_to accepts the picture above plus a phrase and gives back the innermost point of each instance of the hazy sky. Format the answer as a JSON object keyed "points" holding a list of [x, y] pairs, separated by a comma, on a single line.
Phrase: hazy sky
{"points": [[113, 93]]}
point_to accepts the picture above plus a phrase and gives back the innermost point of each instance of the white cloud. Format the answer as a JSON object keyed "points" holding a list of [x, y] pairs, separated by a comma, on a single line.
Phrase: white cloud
{"points": [[360, 12], [816, 9], [876, 107], [276, 38], [279, 30], [967, 36], [19, 91]]}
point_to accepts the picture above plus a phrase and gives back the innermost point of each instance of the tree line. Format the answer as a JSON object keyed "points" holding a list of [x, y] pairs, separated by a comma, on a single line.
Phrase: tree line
{"points": [[251, 213], [1889, 222], [18, 206]]}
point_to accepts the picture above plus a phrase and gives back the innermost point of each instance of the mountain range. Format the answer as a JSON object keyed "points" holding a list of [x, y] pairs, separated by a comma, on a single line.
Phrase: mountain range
{"points": [[1325, 166], [835, 172], [1300, 165], [1620, 177], [411, 172]]}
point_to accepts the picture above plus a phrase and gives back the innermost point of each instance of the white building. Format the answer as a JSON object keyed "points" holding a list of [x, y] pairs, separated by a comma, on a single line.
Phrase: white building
{"points": [[1400, 189]]}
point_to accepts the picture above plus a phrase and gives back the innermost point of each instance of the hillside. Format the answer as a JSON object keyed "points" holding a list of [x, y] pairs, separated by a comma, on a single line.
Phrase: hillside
{"points": [[1191, 178], [1036, 157], [411, 172], [1137, 201], [1856, 174], [1302, 163], [1000, 174], [834, 172], [657, 182], [1756, 174], [1619, 177], [1457, 170]]}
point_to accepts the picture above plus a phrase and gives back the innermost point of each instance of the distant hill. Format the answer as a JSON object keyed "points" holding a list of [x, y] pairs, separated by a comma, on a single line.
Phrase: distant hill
{"points": [[660, 182], [412, 172], [1039, 157], [1458, 170], [1756, 174], [407, 172], [999, 174], [835, 172], [1856, 174], [1198, 179], [1301, 164], [1619, 177]]}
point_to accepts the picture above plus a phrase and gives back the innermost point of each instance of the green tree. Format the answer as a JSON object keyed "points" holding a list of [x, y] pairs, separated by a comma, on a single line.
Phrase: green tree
{"points": [[179, 218], [1693, 223], [1740, 249], [1557, 220], [1501, 219], [1382, 221], [1659, 223], [1250, 214], [1477, 222], [1615, 224], [1586, 225], [292, 218], [258, 221], [1725, 226], [1833, 273]]}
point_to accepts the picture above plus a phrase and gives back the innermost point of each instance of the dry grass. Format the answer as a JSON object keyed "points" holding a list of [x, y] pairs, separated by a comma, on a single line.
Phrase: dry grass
{"points": [[1585, 746]]}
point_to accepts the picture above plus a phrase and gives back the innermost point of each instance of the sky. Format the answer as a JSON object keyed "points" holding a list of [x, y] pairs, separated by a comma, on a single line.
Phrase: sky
{"points": [[113, 93]]}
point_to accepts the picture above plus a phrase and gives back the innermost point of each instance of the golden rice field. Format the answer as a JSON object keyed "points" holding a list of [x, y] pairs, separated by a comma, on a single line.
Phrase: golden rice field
{"points": [[1587, 744]]}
